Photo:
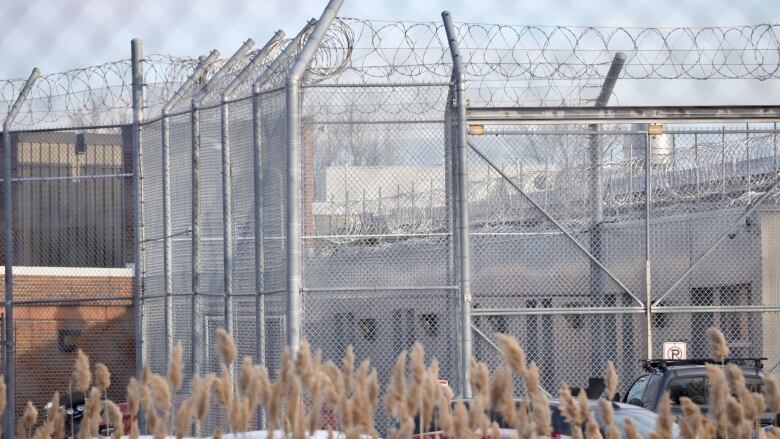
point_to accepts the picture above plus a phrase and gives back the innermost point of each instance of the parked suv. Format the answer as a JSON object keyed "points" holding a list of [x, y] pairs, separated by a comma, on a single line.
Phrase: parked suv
{"points": [[687, 378]]}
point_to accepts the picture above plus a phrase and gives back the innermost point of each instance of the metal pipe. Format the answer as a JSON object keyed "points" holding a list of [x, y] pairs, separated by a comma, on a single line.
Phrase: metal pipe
{"points": [[648, 265], [227, 192], [461, 187], [166, 182], [555, 222], [136, 49], [212, 83], [196, 332], [283, 57], [597, 213], [294, 177], [9, 252], [259, 57]]}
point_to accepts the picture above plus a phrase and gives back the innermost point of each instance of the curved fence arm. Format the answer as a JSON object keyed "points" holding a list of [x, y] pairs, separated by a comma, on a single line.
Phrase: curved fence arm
{"points": [[261, 55], [187, 86], [208, 87], [9, 251], [283, 57], [294, 177]]}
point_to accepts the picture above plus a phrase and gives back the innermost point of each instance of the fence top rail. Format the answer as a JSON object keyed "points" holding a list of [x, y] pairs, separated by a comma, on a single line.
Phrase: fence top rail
{"points": [[568, 115]]}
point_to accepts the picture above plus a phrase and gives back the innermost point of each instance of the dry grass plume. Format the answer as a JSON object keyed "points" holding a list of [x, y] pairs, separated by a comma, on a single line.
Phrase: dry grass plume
{"points": [[718, 346]]}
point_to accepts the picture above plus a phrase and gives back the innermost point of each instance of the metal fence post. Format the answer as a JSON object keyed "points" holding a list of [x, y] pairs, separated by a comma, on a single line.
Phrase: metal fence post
{"points": [[597, 290], [227, 194], [166, 183], [196, 343], [294, 178], [136, 48], [648, 266], [461, 187], [8, 207]]}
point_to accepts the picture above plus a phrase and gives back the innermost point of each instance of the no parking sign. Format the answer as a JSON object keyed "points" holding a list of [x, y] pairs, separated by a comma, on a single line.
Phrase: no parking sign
{"points": [[675, 350]]}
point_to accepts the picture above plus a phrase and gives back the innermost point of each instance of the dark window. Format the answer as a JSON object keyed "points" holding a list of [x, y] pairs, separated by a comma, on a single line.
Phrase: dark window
{"points": [[68, 339], [694, 388], [429, 324], [368, 326]]}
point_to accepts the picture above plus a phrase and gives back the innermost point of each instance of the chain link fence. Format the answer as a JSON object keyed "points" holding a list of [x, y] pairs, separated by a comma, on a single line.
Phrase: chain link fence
{"points": [[337, 187]]}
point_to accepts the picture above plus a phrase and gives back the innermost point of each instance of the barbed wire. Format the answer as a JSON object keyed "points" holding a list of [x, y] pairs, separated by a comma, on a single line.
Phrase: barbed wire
{"points": [[706, 177], [505, 65]]}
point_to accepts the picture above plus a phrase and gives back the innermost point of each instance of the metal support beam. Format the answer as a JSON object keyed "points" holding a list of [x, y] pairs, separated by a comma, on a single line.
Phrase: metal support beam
{"points": [[596, 192], [462, 209], [227, 199], [8, 217], [166, 182], [196, 330], [257, 175], [136, 49], [294, 175], [576, 115]]}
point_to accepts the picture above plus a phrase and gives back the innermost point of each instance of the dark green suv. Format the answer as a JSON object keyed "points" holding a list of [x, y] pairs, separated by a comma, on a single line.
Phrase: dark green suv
{"points": [[687, 378]]}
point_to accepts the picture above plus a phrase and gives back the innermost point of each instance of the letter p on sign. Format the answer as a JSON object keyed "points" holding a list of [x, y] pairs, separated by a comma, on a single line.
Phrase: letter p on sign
{"points": [[675, 350]]}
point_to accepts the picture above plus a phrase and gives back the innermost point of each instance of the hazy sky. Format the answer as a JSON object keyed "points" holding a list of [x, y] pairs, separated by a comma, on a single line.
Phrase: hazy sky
{"points": [[57, 35]]}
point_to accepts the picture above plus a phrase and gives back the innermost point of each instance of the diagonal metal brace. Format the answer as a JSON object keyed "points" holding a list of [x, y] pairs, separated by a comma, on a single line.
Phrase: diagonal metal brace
{"points": [[555, 223], [720, 239]]}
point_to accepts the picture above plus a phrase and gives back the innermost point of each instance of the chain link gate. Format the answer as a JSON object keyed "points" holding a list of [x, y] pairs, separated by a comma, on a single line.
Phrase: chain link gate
{"points": [[573, 290]]}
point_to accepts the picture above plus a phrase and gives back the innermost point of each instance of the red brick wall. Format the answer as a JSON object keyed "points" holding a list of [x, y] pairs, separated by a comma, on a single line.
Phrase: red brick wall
{"points": [[103, 329]]}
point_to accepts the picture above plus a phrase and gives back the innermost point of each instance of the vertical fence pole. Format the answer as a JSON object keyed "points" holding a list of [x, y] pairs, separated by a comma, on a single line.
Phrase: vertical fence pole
{"points": [[648, 266], [227, 189], [8, 217], [257, 165], [461, 188], [196, 331], [136, 48], [294, 175], [166, 183], [196, 335], [597, 290]]}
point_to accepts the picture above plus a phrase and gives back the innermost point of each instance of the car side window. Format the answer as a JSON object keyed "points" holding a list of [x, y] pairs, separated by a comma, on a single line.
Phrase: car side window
{"points": [[694, 388], [637, 391], [651, 391]]}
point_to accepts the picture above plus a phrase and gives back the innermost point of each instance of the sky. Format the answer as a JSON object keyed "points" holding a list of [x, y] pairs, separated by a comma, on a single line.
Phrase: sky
{"points": [[58, 35]]}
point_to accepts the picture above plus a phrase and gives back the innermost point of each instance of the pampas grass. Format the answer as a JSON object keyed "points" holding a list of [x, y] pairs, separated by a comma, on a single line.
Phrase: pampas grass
{"points": [[630, 429], [175, 374], [513, 353], [592, 428], [692, 421], [608, 416], [102, 377], [771, 393], [226, 347], [664, 423], [306, 387], [611, 380], [570, 408], [29, 417], [183, 419], [718, 345], [719, 392], [81, 373]]}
